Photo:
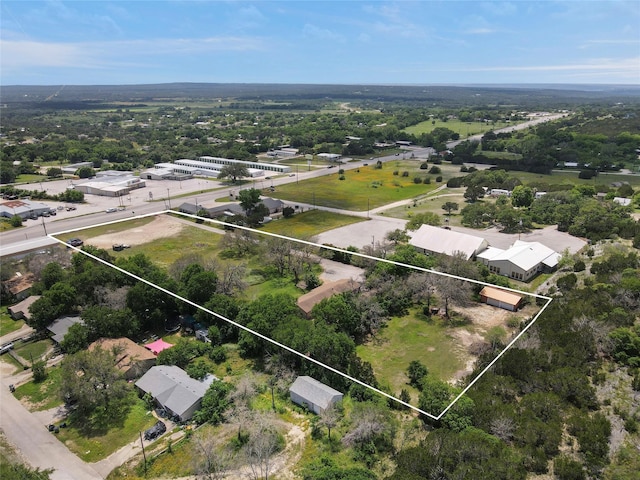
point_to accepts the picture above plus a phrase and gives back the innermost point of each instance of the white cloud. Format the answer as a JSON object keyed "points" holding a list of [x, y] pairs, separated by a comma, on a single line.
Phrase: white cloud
{"points": [[499, 8], [26, 53], [312, 31]]}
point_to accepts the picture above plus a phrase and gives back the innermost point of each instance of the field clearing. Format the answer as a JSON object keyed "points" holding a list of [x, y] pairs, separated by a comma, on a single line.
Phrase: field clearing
{"points": [[412, 338], [465, 129], [366, 187], [570, 177], [41, 396], [305, 225]]}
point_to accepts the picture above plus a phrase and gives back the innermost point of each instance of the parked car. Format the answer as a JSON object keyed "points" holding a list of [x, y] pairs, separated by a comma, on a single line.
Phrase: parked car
{"points": [[154, 432], [75, 242], [5, 348]]}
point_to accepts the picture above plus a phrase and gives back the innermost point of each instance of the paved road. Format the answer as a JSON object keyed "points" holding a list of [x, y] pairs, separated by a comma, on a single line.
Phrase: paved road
{"points": [[36, 443]]}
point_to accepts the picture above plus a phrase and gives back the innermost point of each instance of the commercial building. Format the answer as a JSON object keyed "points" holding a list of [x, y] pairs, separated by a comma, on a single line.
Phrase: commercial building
{"points": [[436, 240]]}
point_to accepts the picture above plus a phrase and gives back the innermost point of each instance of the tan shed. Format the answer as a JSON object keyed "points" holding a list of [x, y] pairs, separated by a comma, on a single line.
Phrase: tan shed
{"points": [[501, 298]]}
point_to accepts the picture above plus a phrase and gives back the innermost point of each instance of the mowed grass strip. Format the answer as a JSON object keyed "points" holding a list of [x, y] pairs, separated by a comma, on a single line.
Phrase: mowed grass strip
{"points": [[307, 224], [367, 188], [411, 338]]}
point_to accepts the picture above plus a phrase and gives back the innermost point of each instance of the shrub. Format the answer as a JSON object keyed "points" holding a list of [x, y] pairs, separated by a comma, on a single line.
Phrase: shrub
{"points": [[288, 212], [435, 170], [342, 177], [405, 174], [16, 221], [427, 180], [439, 178], [417, 180], [566, 468], [579, 266], [341, 171], [424, 166], [395, 172]]}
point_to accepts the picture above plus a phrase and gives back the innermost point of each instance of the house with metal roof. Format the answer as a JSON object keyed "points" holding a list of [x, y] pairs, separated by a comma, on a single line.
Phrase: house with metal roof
{"points": [[500, 298], [174, 390], [522, 261], [431, 240], [314, 395]]}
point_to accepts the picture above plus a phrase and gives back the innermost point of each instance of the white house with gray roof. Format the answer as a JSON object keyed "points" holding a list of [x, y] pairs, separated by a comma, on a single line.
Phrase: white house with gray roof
{"points": [[174, 390], [312, 394]]}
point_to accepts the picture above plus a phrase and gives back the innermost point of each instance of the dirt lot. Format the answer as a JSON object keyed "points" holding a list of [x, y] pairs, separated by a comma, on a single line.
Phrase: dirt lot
{"points": [[162, 226], [483, 318]]}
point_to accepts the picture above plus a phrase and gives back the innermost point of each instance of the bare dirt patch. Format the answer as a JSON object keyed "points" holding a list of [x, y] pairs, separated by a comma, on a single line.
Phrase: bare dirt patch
{"points": [[161, 227]]}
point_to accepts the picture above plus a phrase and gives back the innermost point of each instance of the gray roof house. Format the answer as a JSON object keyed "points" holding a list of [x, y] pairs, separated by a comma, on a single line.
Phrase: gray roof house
{"points": [[61, 326], [174, 390], [21, 309], [312, 394]]}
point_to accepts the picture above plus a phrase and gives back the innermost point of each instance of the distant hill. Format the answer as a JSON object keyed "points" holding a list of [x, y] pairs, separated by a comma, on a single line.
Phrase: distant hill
{"points": [[92, 96]]}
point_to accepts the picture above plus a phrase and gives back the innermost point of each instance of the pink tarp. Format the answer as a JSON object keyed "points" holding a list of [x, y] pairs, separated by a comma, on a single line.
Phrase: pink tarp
{"points": [[158, 346]]}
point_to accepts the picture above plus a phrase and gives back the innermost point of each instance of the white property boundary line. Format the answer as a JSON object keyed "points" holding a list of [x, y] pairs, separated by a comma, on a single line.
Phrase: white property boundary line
{"points": [[285, 347]]}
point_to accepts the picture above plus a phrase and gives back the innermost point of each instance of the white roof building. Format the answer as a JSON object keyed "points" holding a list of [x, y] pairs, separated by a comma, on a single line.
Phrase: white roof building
{"points": [[429, 240], [316, 396], [522, 261]]}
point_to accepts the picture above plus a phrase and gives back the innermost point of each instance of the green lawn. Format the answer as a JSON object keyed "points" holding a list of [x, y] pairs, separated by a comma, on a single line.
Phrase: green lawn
{"points": [[94, 446], [366, 187], [107, 229], [33, 350], [465, 129], [44, 395], [412, 338], [307, 224], [8, 324], [570, 178]]}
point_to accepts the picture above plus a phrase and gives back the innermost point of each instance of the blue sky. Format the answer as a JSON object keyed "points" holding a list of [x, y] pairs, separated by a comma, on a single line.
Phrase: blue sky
{"points": [[371, 42]]}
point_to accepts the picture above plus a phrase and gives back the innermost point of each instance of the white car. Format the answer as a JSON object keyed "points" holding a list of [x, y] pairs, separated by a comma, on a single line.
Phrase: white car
{"points": [[111, 210]]}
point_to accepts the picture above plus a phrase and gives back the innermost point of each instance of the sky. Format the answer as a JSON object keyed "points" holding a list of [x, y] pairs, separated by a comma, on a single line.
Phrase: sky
{"points": [[336, 42]]}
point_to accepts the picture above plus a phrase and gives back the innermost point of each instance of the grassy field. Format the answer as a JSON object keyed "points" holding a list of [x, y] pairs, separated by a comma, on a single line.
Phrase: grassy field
{"points": [[570, 177], [307, 224], [44, 395], [433, 204], [8, 324], [411, 338], [94, 446], [465, 129], [366, 187]]}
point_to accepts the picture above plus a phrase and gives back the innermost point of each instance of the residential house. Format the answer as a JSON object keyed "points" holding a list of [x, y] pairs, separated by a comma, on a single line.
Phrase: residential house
{"points": [[61, 326], [132, 359], [174, 390], [314, 395], [20, 311]]}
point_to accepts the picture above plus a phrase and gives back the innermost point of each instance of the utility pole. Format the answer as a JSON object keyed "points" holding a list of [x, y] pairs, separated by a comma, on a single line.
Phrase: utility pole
{"points": [[44, 226], [169, 198], [144, 455]]}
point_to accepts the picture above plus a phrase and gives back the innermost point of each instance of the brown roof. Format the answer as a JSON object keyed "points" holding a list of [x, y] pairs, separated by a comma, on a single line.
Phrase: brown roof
{"points": [[307, 301], [23, 306], [20, 283], [501, 295], [128, 352]]}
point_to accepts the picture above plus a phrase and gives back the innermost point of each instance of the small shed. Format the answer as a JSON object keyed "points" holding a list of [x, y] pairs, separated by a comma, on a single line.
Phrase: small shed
{"points": [[501, 298], [312, 394], [307, 301]]}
